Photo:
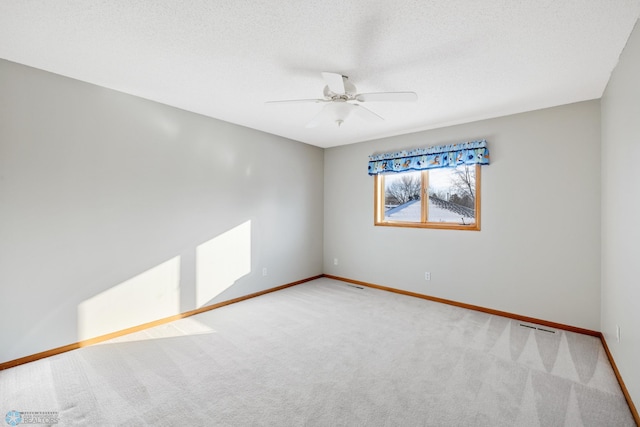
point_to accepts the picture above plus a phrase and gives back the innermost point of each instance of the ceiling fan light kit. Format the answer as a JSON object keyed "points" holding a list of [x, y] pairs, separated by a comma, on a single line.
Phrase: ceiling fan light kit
{"points": [[342, 101]]}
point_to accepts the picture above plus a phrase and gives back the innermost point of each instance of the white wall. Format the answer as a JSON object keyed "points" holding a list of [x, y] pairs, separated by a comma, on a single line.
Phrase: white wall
{"points": [[116, 210], [621, 214], [538, 253]]}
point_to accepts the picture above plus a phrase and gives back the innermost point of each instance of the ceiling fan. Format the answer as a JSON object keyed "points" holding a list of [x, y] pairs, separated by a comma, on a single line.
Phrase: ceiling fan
{"points": [[342, 100]]}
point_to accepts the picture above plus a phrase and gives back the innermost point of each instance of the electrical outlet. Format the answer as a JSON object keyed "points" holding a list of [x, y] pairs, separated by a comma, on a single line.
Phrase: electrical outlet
{"points": [[264, 271], [427, 275], [617, 333], [335, 261]]}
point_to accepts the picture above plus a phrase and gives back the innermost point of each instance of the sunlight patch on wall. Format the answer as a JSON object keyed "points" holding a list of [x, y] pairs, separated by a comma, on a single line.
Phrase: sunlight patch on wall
{"points": [[149, 296], [221, 261]]}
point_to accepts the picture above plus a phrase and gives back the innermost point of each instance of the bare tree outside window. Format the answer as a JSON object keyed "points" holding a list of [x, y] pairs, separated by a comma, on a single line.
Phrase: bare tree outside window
{"points": [[464, 183], [404, 189]]}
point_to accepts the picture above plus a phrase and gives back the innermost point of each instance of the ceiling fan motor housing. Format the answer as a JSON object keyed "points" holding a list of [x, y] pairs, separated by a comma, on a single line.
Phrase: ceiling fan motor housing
{"points": [[348, 95]]}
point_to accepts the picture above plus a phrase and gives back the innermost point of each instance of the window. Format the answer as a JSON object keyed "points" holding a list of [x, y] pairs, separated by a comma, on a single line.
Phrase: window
{"points": [[433, 198], [433, 187]]}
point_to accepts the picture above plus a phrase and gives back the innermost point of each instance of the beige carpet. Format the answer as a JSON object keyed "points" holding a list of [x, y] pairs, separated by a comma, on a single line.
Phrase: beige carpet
{"points": [[326, 353]]}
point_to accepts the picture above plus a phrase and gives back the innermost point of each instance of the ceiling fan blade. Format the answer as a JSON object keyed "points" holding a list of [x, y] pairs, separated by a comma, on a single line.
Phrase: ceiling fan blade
{"points": [[335, 82], [297, 101], [365, 113], [324, 115], [387, 97]]}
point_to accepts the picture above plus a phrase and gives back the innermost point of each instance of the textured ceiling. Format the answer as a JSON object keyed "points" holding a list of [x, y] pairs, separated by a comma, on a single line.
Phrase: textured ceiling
{"points": [[467, 60]]}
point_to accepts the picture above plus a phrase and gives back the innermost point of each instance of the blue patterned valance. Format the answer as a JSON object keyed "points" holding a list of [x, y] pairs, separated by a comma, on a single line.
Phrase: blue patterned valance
{"points": [[439, 156]]}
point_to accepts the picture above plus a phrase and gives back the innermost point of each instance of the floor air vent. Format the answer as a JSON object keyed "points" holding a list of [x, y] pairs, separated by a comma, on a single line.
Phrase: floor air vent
{"points": [[537, 328], [354, 286]]}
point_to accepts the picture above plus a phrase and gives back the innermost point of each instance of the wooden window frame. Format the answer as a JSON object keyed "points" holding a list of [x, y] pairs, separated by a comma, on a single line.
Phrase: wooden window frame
{"points": [[378, 207]]}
